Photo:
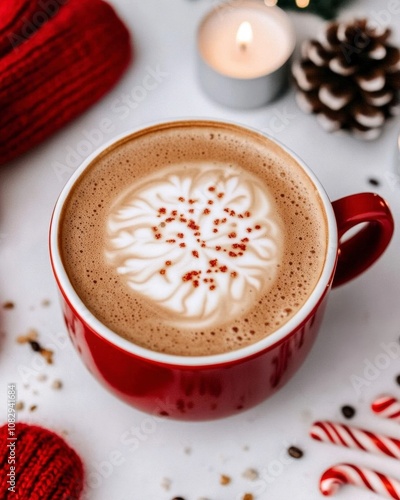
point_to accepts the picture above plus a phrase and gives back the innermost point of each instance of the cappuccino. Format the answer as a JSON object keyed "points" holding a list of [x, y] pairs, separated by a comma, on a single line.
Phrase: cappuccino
{"points": [[193, 238]]}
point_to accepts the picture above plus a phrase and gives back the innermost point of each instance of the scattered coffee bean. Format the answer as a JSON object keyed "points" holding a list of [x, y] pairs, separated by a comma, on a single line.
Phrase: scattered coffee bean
{"points": [[57, 385], [19, 406], [374, 182], [46, 303], [250, 474], [33, 408], [348, 411], [247, 496], [178, 498], [166, 483], [8, 305], [35, 345], [398, 379], [224, 480], [295, 452], [31, 335]]}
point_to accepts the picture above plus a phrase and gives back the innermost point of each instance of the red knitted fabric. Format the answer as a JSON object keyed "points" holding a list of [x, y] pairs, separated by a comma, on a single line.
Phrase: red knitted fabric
{"points": [[57, 57], [46, 468]]}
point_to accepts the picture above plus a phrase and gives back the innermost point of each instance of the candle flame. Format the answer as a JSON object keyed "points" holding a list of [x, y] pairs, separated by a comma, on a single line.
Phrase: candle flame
{"points": [[244, 35]]}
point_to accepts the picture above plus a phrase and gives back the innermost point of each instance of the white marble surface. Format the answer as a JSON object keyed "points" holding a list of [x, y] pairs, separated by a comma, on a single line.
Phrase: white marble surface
{"points": [[361, 316]]}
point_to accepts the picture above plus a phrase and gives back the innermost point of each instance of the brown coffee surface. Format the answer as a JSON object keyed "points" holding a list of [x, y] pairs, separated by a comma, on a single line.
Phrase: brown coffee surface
{"points": [[213, 286]]}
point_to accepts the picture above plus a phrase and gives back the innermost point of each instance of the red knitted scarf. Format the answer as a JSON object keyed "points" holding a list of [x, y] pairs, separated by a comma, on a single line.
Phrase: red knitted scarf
{"points": [[37, 465]]}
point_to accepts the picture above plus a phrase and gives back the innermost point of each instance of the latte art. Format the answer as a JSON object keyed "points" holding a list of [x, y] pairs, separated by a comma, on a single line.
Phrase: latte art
{"points": [[199, 240]]}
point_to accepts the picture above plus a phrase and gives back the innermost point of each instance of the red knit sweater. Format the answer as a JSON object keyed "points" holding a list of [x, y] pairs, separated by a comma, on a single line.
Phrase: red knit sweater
{"points": [[57, 57]]}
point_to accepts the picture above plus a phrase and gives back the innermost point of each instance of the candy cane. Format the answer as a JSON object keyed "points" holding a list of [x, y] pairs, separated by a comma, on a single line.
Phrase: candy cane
{"points": [[351, 437], [377, 482], [387, 407]]}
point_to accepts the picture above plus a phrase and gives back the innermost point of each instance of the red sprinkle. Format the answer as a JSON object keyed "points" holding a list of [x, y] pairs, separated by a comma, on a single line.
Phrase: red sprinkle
{"points": [[157, 236], [181, 198], [232, 254], [211, 188], [171, 241], [223, 269], [162, 210], [249, 230], [213, 262], [168, 263], [257, 227], [212, 287], [218, 248], [220, 195], [182, 245], [232, 235], [192, 201], [195, 253], [180, 235], [162, 271], [215, 230], [206, 211], [210, 202], [233, 274]]}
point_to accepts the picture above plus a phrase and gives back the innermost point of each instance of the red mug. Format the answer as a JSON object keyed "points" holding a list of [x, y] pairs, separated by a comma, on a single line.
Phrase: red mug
{"points": [[215, 386]]}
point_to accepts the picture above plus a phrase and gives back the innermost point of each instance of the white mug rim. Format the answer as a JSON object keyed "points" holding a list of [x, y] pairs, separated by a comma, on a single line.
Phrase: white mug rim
{"points": [[98, 327]]}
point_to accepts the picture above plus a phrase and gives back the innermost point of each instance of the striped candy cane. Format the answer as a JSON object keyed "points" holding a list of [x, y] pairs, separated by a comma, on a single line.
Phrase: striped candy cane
{"points": [[352, 437], [341, 474], [387, 407]]}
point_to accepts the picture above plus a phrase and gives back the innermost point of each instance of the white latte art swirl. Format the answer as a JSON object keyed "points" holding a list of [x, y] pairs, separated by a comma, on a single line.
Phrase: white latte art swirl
{"points": [[200, 241]]}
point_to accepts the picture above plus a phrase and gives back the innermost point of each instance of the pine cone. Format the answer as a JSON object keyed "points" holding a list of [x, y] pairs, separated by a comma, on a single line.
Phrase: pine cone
{"points": [[350, 78]]}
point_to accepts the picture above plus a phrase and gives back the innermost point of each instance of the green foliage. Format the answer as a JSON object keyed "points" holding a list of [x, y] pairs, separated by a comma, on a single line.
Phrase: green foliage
{"points": [[324, 8]]}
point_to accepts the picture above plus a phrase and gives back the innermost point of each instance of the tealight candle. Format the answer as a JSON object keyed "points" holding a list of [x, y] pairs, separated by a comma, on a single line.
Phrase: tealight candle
{"points": [[244, 48]]}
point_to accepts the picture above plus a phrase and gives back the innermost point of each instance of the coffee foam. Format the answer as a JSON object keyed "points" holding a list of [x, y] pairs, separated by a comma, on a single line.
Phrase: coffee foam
{"points": [[96, 247], [198, 239]]}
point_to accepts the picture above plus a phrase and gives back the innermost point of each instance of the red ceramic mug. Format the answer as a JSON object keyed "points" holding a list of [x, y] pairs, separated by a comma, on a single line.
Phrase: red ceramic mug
{"points": [[214, 386]]}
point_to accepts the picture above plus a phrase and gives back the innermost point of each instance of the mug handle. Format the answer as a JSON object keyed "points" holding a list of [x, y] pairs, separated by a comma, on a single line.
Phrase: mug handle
{"points": [[360, 251]]}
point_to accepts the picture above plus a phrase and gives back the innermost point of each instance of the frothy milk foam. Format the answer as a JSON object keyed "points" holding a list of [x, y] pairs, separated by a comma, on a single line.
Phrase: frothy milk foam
{"points": [[194, 240]]}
